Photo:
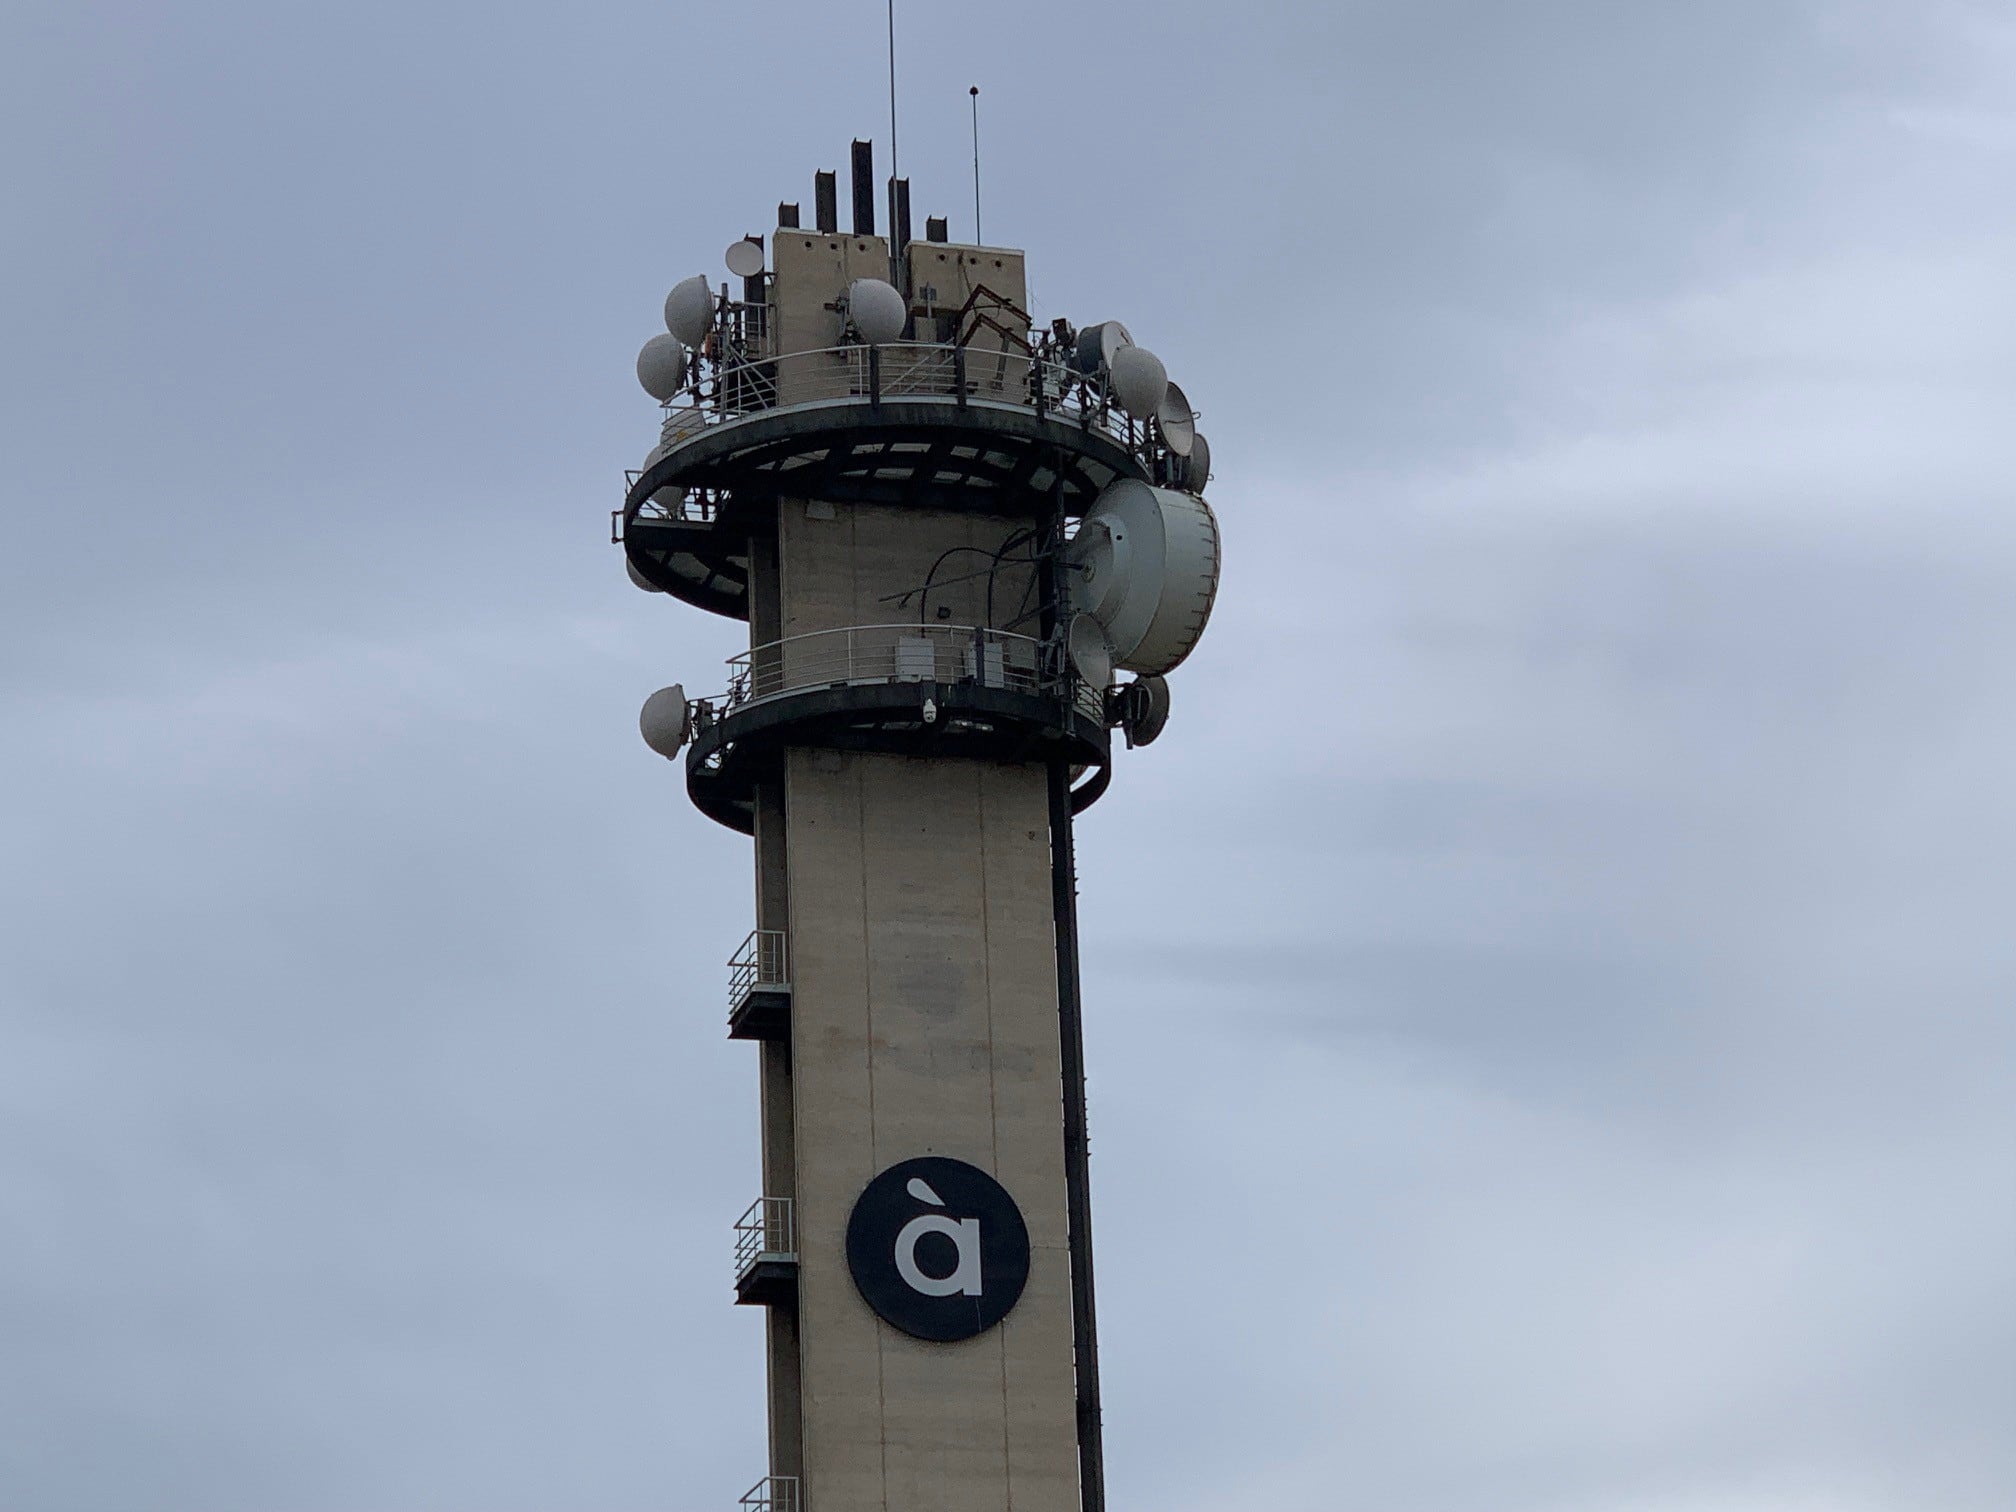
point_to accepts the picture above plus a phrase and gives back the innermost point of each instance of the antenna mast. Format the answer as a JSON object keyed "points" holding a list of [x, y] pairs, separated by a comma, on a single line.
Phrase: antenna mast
{"points": [[975, 93], [892, 105]]}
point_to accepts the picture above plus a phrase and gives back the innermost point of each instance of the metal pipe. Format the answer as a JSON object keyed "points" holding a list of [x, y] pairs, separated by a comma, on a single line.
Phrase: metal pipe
{"points": [[1077, 1150], [864, 188], [1071, 1039]]}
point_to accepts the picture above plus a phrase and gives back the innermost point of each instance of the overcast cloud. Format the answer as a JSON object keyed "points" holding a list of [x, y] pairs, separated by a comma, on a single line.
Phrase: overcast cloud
{"points": [[1549, 993]]}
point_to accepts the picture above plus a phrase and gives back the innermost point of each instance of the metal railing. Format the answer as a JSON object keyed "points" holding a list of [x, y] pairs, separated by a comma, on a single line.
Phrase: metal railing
{"points": [[766, 1232], [886, 654], [773, 1493], [861, 655], [762, 960], [741, 385]]}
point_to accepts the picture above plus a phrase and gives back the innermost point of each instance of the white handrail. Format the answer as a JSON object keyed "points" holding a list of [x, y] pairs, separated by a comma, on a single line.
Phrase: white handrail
{"points": [[768, 1230], [761, 960]]}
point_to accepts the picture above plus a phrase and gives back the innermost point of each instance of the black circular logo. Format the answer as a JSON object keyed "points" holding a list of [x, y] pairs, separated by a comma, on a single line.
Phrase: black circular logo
{"points": [[938, 1248]]}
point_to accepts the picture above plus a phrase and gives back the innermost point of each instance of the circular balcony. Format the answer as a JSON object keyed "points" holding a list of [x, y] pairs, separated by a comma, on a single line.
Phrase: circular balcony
{"points": [[908, 424], [913, 690]]}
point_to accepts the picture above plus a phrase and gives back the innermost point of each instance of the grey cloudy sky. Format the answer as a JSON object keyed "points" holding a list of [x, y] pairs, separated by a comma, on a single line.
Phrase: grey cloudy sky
{"points": [[1550, 991]]}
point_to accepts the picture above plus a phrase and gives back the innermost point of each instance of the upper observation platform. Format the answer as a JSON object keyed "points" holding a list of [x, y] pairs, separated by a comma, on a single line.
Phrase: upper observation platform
{"points": [[827, 381]]}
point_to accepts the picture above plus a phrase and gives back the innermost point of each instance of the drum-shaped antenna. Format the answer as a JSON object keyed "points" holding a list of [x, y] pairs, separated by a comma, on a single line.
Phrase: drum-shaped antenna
{"points": [[1140, 383], [745, 258], [1098, 343], [665, 722], [639, 579], [1197, 466], [1144, 709], [661, 367], [1176, 421], [877, 310], [689, 310], [1156, 596], [1090, 651]]}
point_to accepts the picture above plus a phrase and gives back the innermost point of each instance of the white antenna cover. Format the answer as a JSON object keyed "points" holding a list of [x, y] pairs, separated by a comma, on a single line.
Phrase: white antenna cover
{"points": [[1098, 343], [877, 310], [1178, 423], [1139, 381], [661, 367], [665, 722], [1090, 651], [1152, 555], [745, 258], [689, 310], [639, 579]]}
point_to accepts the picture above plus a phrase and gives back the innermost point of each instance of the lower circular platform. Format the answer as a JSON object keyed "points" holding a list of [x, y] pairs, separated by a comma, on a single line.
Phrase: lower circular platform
{"points": [[734, 750]]}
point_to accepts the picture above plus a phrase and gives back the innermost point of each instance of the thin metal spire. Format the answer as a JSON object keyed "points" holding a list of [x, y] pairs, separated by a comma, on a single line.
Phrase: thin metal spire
{"points": [[892, 92], [975, 93]]}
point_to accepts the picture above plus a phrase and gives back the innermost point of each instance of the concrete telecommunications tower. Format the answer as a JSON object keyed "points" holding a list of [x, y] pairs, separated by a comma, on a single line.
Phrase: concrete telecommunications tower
{"points": [[949, 530]]}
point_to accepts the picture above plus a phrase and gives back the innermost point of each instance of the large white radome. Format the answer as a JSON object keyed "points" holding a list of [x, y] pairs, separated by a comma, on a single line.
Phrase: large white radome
{"points": [[877, 310], [1140, 382], [661, 367], [664, 722], [689, 310]]}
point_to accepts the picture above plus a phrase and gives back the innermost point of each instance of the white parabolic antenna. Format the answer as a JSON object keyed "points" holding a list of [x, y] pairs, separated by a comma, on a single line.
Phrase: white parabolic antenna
{"points": [[1140, 382], [745, 258], [661, 367], [1090, 651], [689, 310], [1098, 343], [877, 310], [664, 721], [1145, 565], [1176, 420]]}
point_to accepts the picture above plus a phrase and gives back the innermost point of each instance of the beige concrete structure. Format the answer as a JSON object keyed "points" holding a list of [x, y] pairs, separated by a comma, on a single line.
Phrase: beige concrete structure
{"points": [[916, 895], [924, 1022]]}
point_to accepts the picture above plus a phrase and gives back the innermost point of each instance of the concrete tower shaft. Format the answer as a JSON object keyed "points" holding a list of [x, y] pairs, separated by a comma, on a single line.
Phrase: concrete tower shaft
{"points": [[876, 462]]}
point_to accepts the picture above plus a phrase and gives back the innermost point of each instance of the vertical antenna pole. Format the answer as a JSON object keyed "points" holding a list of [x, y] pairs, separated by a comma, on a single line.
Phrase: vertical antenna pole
{"points": [[896, 230], [975, 93]]}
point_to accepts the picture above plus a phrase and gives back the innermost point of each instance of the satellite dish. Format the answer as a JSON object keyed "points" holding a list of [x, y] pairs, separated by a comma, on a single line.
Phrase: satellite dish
{"points": [[1177, 423], [661, 367], [1145, 566], [877, 310], [1197, 471], [639, 579], [665, 721], [689, 310], [745, 257], [1139, 381], [1097, 344], [1090, 651], [1144, 709]]}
